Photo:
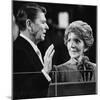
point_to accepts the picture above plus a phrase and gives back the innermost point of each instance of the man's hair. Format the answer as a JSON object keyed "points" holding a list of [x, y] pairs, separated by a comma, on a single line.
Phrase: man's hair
{"points": [[28, 11]]}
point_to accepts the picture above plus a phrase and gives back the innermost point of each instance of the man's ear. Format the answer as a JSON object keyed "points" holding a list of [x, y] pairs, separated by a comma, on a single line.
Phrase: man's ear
{"points": [[28, 24]]}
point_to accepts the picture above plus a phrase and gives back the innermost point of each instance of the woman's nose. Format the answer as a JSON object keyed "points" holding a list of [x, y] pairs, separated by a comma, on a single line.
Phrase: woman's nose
{"points": [[73, 44]]}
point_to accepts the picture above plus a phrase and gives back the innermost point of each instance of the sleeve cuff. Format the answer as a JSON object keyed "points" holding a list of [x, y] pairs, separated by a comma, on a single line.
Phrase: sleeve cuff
{"points": [[46, 75]]}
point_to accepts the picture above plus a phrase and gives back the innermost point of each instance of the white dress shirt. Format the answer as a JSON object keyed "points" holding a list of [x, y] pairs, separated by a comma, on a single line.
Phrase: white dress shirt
{"points": [[38, 53]]}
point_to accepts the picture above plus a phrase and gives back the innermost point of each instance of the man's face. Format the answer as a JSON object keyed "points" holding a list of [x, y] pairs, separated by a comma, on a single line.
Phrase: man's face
{"points": [[75, 46], [40, 26]]}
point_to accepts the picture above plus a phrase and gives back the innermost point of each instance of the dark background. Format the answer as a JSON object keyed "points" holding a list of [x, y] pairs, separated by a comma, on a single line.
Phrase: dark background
{"points": [[55, 35]]}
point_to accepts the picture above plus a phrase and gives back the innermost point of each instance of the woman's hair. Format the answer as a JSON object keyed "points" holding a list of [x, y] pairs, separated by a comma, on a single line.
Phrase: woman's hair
{"points": [[28, 11], [83, 30]]}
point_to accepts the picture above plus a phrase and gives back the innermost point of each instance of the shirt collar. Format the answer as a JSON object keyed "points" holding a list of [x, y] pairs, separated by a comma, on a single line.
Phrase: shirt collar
{"points": [[73, 61], [31, 42]]}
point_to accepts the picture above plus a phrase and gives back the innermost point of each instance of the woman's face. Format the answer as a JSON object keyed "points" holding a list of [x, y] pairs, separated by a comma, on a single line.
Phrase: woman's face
{"points": [[75, 45]]}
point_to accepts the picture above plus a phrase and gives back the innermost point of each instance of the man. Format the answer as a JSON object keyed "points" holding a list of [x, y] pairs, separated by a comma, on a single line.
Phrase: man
{"points": [[30, 73], [15, 29]]}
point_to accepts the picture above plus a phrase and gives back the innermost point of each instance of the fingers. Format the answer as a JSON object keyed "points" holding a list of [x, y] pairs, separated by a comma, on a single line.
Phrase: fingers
{"points": [[52, 53], [50, 50], [48, 58]]}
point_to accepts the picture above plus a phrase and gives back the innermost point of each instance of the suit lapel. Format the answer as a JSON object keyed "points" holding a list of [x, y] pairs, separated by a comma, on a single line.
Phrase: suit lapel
{"points": [[33, 57]]}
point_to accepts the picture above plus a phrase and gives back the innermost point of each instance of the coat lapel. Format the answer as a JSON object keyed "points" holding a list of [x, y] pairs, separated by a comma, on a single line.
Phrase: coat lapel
{"points": [[33, 57]]}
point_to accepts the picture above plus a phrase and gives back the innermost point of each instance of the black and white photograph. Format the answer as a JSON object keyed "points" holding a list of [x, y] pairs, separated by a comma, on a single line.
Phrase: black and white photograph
{"points": [[54, 50]]}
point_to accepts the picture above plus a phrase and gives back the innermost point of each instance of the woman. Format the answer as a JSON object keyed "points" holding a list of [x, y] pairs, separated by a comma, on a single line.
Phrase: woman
{"points": [[78, 39]]}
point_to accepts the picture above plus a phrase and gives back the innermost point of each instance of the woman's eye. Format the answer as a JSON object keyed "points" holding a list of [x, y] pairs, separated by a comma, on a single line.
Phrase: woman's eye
{"points": [[77, 40]]}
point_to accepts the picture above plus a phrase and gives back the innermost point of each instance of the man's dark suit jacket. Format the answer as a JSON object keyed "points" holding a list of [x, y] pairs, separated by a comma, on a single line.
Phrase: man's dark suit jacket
{"points": [[28, 80]]}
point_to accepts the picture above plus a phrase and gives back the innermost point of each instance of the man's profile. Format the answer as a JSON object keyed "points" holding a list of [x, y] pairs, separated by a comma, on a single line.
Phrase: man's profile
{"points": [[30, 73]]}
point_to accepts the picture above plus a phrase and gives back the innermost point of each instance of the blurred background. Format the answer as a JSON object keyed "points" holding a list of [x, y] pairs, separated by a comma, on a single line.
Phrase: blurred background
{"points": [[58, 16]]}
